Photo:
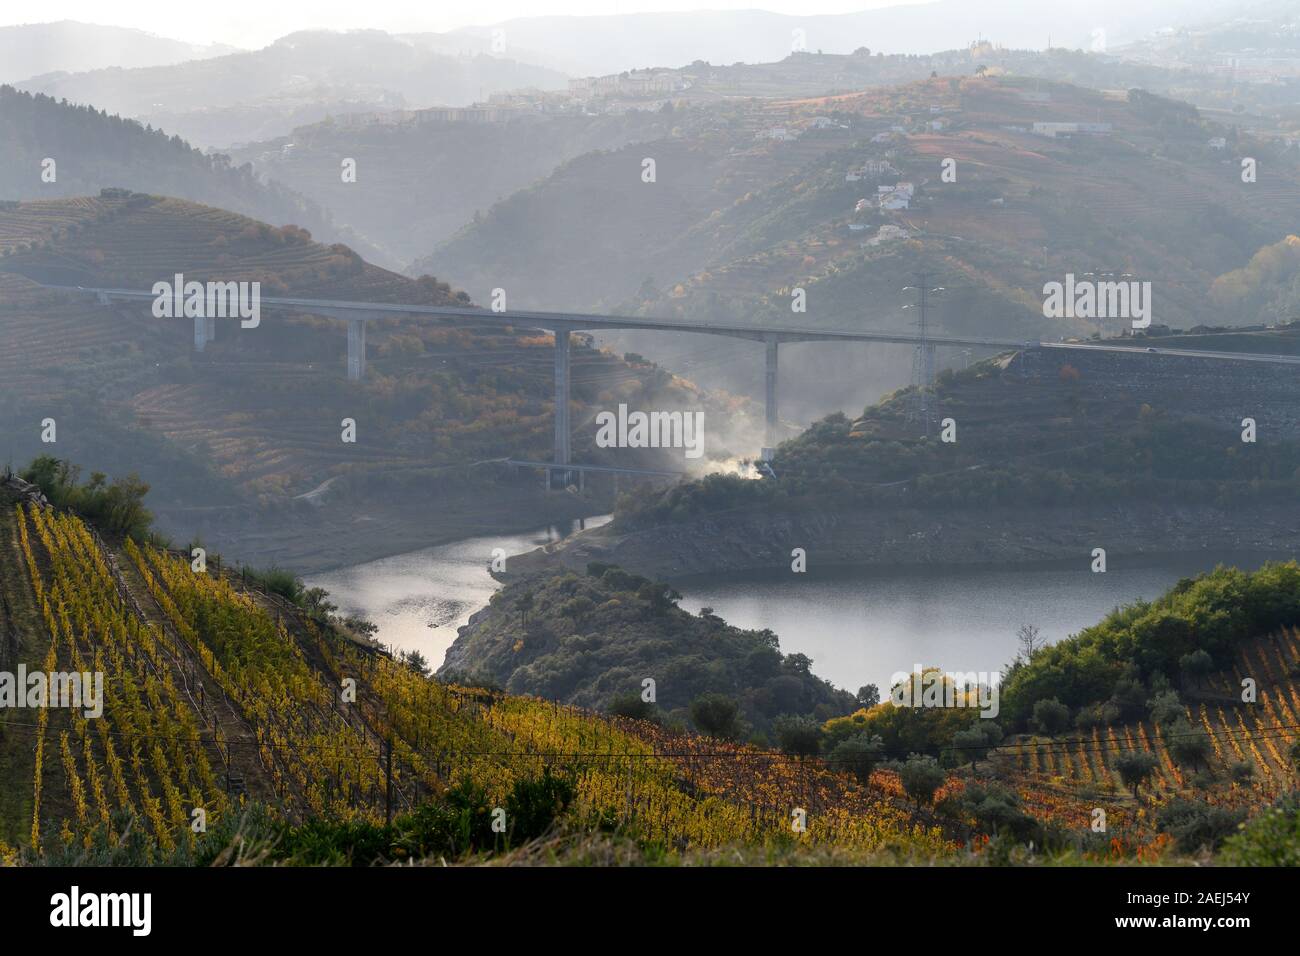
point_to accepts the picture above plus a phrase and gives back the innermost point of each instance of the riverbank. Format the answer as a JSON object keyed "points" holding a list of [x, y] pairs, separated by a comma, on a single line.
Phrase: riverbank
{"points": [[902, 537], [345, 531]]}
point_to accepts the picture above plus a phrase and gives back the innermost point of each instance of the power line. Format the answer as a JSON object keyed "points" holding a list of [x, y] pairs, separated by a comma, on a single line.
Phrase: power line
{"points": [[1066, 746]]}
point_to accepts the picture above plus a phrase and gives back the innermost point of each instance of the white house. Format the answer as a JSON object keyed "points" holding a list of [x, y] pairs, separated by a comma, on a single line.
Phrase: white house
{"points": [[1218, 142], [888, 233]]}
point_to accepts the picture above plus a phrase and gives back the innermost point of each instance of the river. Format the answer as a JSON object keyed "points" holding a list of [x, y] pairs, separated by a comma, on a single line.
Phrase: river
{"points": [[858, 625], [420, 598]]}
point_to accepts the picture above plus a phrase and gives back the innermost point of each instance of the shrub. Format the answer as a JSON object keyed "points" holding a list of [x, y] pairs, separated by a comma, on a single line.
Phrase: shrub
{"points": [[533, 805], [996, 811], [1197, 826], [1272, 838], [1241, 771], [117, 507]]}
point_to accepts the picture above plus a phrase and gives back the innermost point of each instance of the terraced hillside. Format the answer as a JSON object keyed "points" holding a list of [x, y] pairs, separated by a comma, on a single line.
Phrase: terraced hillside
{"points": [[1258, 732], [231, 436], [224, 698], [737, 220], [219, 695]]}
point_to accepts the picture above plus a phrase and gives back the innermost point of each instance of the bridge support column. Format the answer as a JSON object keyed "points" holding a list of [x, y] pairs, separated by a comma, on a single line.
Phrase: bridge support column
{"points": [[356, 350], [562, 448], [200, 333], [769, 442]]}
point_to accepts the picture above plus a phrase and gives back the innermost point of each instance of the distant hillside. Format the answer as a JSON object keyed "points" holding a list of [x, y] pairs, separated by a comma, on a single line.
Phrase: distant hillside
{"points": [[29, 50], [419, 181], [809, 73], [737, 219], [1255, 31], [254, 421], [611, 44], [93, 150], [301, 78]]}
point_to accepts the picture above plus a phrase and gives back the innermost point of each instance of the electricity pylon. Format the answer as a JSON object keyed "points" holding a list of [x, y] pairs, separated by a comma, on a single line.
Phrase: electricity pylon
{"points": [[923, 353]]}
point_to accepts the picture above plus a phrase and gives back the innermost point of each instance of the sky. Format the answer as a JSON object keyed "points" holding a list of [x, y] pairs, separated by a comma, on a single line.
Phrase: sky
{"points": [[255, 23]]}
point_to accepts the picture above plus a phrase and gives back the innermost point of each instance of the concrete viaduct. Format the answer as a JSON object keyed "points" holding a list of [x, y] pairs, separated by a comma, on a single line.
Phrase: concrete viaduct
{"points": [[562, 324]]}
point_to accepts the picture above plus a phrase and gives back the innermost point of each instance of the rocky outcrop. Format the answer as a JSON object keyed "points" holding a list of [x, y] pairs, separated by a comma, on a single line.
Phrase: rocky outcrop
{"points": [[24, 490]]}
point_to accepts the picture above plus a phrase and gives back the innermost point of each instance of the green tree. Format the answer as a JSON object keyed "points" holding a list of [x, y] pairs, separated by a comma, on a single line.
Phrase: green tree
{"points": [[631, 704], [858, 755], [577, 608], [974, 743], [416, 662], [921, 777], [660, 597], [1196, 664], [1051, 717], [801, 736], [524, 603], [1166, 709], [1188, 744], [716, 715], [868, 696], [1135, 767]]}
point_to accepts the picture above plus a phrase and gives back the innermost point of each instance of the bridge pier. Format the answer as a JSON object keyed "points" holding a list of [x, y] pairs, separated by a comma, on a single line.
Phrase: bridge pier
{"points": [[205, 330], [356, 350], [562, 447], [769, 443]]}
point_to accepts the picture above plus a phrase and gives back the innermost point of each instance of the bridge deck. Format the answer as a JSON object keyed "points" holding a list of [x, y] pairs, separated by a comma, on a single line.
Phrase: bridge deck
{"points": [[578, 321]]}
